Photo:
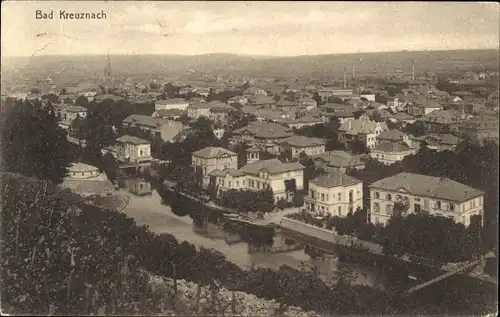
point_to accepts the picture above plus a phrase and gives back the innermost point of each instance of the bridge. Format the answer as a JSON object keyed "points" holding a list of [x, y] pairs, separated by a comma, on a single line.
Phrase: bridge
{"points": [[462, 268]]}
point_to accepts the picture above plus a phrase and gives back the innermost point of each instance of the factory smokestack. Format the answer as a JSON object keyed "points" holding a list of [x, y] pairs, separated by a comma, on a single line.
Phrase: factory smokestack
{"points": [[413, 70], [353, 71], [345, 79]]}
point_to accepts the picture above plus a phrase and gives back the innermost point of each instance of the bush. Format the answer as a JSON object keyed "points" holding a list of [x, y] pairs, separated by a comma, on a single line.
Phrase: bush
{"points": [[282, 204], [298, 200]]}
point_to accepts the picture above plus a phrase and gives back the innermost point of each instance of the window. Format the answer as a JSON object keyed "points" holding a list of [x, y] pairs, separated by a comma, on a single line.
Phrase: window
{"points": [[322, 197], [74, 173], [389, 197], [426, 204], [340, 210], [438, 205], [399, 197], [229, 183], [376, 207], [417, 199], [237, 183], [326, 197], [377, 195], [244, 182], [452, 207], [388, 209], [223, 183], [339, 196]]}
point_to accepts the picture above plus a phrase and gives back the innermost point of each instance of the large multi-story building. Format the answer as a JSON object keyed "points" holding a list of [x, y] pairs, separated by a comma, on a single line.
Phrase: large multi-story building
{"points": [[282, 178], [479, 128], [263, 135], [442, 121], [298, 144], [166, 129], [213, 158], [131, 149], [338, 161], [361, 129], [423, 107], [435, 195], [335, 193]]}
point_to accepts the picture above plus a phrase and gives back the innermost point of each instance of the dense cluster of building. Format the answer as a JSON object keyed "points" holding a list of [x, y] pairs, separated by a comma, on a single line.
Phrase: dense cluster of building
{"points": [[363, 106]]}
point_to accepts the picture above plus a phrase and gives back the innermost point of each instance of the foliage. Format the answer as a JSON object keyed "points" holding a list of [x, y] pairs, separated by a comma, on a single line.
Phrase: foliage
{"points": [[310, 170], [282, 204], [416, 129], [248, 200], [298, 199], [32, 142]]}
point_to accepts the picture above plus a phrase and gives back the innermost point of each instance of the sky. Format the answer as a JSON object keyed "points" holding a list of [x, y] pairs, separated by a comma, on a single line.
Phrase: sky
{"points": [[249, 28]]}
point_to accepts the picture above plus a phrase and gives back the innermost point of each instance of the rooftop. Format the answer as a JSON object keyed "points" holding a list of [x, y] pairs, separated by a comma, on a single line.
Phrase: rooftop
{"points": [[224, 172], [393, 147], [265, 130], [213, 152], [422, 185], [339, 159], [171, 101], [392, 135], [81, 167], [334, 179], [302, 141], [361, 126], [272, 166], [146, 120], [443, 116], [132, 139]]}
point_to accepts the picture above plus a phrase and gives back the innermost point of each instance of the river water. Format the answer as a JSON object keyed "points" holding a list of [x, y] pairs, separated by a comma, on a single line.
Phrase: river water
{"points": [[149, 210]]}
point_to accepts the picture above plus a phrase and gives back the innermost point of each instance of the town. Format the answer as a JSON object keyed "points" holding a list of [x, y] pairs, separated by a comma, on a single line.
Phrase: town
{"points": [[360, 190]]}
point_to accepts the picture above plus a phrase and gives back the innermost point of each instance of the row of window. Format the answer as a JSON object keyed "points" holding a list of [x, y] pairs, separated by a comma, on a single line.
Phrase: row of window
{"points": [[325, 197]]}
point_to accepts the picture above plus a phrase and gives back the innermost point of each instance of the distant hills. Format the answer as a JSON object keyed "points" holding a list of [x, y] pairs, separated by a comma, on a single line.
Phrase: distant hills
{"points": [[297, 66]]}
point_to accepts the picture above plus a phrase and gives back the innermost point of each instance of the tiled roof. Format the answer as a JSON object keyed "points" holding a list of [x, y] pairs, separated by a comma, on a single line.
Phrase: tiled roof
{"points": [[213, 152], [448, 139], [334, 179], [285, 103], [273, 166], [361, 126], [422, 185], [132, 139], [249, 109], [338, 159], [81, 167], [266, 130], [252, 90], [302, 141], [231, 171], [392, 147], [306, 119], [392, 135]]}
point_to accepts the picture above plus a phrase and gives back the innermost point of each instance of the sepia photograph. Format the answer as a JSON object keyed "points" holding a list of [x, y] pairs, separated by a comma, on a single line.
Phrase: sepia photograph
{"points": [[249, 158]]}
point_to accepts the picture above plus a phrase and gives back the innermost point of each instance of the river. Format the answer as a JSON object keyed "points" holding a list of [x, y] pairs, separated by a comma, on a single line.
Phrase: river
{"points": [[455, 294], [149, 210]]}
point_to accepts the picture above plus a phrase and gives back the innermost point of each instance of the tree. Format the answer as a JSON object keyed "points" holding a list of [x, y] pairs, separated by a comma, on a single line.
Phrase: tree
{"points": [[33, 144], [63, 91], [318, 99], [82, 101], [357, 147]]}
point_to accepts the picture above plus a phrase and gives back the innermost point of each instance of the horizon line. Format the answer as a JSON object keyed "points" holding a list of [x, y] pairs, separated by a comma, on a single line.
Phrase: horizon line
{"points": [[255, 55]]}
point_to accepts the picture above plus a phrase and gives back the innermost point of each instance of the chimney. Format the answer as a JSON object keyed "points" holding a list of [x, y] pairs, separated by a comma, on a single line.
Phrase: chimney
{"points": [[413, 70], [345, 79], [353, 71]]}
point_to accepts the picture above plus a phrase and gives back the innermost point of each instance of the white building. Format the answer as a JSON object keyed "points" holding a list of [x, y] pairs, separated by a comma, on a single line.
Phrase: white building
{"points": [[86, 180], [389, 152], [131, 149], [282, 178], [169, 104], [298, 144], [213, 158], [166, 129], [361, 129], [335, 193], [438, 196]]}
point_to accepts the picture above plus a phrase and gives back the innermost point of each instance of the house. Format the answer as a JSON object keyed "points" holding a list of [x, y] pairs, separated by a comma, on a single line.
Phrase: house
{"points": [[249, 110], [336, 194], [438, 142], [440, 96], [219, 111], [338, 161], [269, 115], [166, 129], [262, 135], [68, 113], [197, 110], [482, 127], [298, 144], [86, 180], [436, 195], [138, 187], [361, 129], [282, 178], [423, 107], [254, 91], [403, 118], [420, 86], [391, 152], [213, 158], [442, 121], [171, 114], [307, 103], [169, 104], [133, 150], [395, 136]]}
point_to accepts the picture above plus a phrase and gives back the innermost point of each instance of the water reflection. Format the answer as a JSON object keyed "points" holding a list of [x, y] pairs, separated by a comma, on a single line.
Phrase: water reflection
{"points": [[189, 222]]}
